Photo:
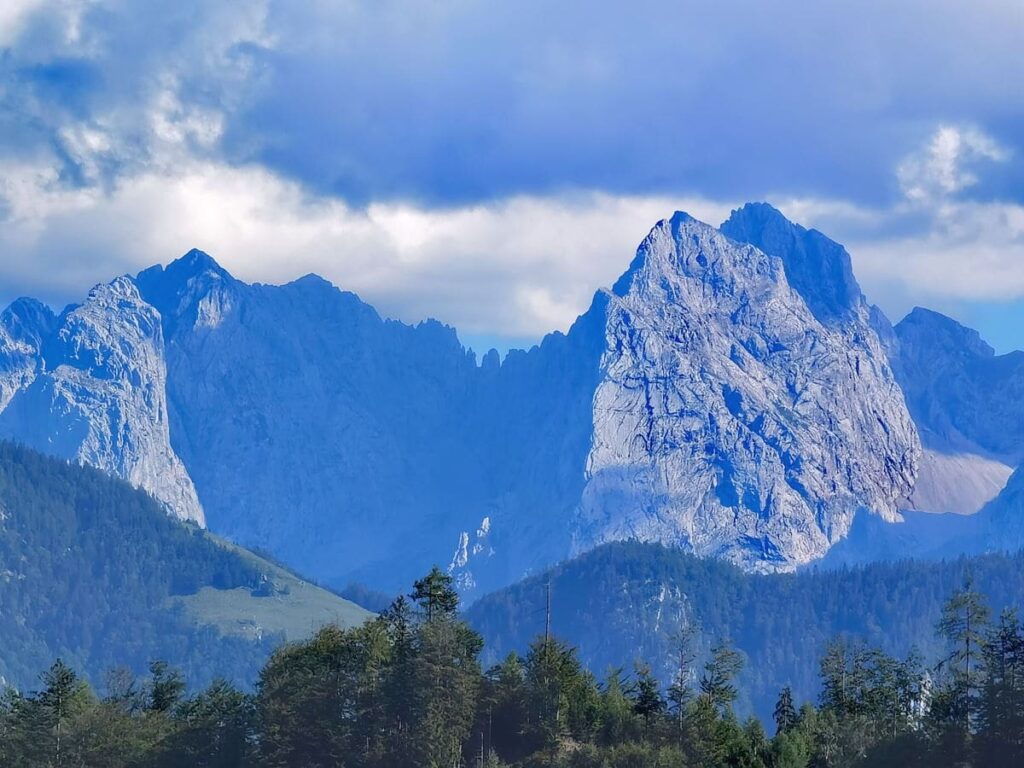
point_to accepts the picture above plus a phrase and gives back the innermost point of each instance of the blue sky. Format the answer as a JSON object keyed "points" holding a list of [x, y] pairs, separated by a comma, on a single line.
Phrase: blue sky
{"points": [[492, 164]]}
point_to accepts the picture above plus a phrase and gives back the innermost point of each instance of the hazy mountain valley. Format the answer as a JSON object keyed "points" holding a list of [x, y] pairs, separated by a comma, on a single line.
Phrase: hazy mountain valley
{"points": [[708, 450], [733, 394]]}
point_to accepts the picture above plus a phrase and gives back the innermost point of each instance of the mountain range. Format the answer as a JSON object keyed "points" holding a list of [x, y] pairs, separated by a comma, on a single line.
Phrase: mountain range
{"points": [[733, 394]]}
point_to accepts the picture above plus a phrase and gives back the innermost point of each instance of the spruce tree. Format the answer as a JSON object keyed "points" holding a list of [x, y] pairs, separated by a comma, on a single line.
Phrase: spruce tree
{"points": [[680, 692], [166, 687], [963, 625], [435, 594], [647, 700], [785, 716], [64, 696], [718, 683], [1001, 712]]}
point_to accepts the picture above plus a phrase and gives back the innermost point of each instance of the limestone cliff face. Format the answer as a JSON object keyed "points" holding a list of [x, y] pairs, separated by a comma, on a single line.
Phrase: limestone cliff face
{"points": [[730, 420], [90, 386]]}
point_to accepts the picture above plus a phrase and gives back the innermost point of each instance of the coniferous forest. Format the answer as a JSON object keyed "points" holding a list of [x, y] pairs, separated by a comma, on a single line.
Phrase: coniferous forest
{"points": [[96, 572], [407, 689], [89, 567]]}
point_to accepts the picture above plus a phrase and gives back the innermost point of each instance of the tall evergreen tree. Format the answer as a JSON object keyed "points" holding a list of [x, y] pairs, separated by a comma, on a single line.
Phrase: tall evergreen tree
{"points": [[503, 715], [647, 700], [963, 625], [166, 687], [718, 683], [785, 716], [444, 686], [64, 696], [435, 594], [680, 692], [1001, 714]]}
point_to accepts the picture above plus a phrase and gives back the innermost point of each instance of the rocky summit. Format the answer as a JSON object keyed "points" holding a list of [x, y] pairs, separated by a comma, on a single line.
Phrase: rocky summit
{"points": [[91, 385], [730, 419], [733, 394]]}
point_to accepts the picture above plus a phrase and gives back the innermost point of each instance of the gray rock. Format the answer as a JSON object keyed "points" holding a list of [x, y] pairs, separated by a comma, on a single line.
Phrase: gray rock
{"points": [[730, 420], [90, 386]]}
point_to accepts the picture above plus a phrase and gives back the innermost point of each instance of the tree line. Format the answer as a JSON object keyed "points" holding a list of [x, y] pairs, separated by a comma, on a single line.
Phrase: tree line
{"points": [[407, 690]]}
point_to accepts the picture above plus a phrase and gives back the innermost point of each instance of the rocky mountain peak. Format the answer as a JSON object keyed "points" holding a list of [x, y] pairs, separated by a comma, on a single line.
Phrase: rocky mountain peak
{"points": [[818, 268], [727, 397], [195, 263], [730, 420], [964, 397], [96, 392], [193, 289], [27, 320], [650, 260], [925, 326]]}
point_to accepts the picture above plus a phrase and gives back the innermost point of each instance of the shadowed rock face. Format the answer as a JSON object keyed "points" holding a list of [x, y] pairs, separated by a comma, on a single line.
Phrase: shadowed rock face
{"points": [[964, 397], [817, 268], [966, 401], [313, 427], [730, 399]]}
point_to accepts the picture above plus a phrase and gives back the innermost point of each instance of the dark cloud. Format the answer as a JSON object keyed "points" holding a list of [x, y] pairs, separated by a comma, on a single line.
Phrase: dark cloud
{"points": [[454, 102], [273, 130]]}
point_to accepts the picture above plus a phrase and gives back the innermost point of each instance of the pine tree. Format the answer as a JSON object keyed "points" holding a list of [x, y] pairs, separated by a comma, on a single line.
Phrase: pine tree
{"points": [[618, 716], [845, 670], [1001, 712], [435, 595], [785, 716], [562, 698], [215, 729], [444, 688], [166, 687], [399, 622], [647, 700], [963, 625], [679, 692], [64, 695], [717, 684], [503, 716]]}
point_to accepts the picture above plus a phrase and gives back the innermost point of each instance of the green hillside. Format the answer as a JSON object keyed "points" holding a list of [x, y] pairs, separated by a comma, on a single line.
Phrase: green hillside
{"points": [[95, 572], [284, 605], [629, 601]]}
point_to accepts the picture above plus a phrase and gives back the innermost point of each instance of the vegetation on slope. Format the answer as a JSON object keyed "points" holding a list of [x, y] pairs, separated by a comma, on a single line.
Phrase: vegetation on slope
{"points": [[629, 600], [94, 571], [407, 689]]}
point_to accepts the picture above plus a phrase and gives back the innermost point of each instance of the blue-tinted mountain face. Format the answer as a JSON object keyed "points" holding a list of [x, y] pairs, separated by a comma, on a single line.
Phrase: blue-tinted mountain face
{"points": [[729, 420], [817, 268], [962, 395], [733, 395]]}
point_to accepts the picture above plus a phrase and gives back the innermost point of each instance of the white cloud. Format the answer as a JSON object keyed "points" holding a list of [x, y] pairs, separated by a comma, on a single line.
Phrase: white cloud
{"points": [[944, 166], [935, 247], [517, 268], [971, 251], [13, 15]]}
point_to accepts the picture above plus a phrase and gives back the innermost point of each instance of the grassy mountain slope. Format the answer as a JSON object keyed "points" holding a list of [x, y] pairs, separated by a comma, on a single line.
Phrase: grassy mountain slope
{"points": [[283, 604], [626, 601], [94, 571]]}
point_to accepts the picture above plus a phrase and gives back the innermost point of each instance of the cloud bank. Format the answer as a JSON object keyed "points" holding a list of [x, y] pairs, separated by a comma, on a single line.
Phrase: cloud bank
{"points": [[492, 164]]}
